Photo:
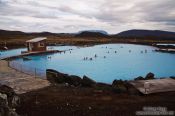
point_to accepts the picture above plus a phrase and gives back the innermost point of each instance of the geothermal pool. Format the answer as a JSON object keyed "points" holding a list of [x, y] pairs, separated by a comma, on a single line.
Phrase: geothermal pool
{"points": [[108, 61]]}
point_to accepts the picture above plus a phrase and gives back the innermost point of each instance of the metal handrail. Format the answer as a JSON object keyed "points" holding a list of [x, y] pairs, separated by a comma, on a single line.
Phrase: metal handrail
{"points": [[41, 73]]}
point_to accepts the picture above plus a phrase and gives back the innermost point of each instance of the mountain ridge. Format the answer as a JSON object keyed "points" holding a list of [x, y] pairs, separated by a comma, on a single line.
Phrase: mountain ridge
{"points": [[139, 33]]}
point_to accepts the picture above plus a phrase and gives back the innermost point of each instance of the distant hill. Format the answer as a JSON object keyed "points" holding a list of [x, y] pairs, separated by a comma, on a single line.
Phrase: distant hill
{"points": [[92, 34], [157, 34], [130, 34], [6, 33], [98, 31]]}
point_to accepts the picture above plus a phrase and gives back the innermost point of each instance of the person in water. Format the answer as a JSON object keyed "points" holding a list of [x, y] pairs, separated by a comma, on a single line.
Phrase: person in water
{"points": [[145, 51]]}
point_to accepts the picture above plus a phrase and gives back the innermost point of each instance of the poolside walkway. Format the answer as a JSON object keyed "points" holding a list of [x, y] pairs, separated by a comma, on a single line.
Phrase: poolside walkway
{"points": [[155, 86], [20, 82], [30, 53]]}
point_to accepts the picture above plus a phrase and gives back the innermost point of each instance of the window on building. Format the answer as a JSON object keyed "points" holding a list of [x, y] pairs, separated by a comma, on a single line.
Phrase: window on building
{"points": [[41, 44]]}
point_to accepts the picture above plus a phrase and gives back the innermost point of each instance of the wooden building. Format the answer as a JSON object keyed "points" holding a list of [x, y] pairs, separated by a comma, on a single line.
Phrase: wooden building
{"points": [[36, 44]]}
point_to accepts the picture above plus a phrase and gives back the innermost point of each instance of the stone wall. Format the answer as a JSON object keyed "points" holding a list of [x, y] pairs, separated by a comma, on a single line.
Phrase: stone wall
{"points": [[9, 100], [118, 86]]}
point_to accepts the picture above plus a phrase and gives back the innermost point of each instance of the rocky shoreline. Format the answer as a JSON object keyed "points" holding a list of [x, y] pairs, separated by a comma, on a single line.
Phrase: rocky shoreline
{"points": [[9, 100], [117, 86], [70, 94], [67, 100]]}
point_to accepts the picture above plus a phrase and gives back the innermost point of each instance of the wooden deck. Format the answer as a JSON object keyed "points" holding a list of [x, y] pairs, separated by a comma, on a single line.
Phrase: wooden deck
{"points": [[166, 50], [156, 85], [31, 53]]}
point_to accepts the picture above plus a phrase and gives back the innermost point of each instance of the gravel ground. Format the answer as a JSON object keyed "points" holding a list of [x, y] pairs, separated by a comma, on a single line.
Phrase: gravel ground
{"points": [[59, 100]]}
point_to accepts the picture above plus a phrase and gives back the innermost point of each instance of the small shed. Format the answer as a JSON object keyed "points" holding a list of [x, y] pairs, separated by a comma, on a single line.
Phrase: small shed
{"points": [[37, 44]]}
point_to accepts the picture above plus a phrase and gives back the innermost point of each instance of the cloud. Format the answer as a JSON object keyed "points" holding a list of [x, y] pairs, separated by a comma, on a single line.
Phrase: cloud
{"points": [[75, 15]]}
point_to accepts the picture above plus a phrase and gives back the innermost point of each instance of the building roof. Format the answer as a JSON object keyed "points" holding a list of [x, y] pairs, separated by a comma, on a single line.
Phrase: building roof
{"points": [[37, 39]]}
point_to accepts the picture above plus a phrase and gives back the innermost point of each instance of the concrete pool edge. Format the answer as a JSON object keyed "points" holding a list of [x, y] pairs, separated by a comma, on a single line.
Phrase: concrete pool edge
{"points": [[19, 81]]}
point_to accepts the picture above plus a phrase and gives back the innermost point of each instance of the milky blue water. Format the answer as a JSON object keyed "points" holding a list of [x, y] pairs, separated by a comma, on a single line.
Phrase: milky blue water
{"points": [[113, 61], [7, 53]]}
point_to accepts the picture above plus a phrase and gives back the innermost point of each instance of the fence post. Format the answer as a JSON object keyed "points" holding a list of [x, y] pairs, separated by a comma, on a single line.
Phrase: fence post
{"points": [[8, 63], [35, 72], [21, 67]]}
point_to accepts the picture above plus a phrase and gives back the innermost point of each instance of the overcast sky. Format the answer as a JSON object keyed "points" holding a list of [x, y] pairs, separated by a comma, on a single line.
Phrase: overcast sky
{"points": [[75, 15]]}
